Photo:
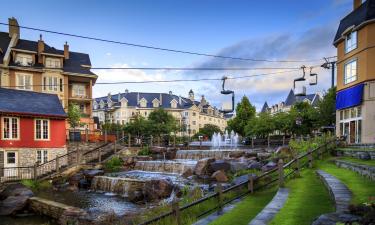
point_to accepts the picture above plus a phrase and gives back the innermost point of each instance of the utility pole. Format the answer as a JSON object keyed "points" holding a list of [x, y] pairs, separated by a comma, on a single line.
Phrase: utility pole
{"points": [[330, 65]]}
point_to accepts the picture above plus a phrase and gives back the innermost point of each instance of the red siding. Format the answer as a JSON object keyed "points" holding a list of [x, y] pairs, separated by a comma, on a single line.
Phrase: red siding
{"points": [[26, 139]]}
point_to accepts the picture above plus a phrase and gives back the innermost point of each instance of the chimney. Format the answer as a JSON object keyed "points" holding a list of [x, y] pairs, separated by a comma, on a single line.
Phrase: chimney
{"points": [[126, 91], [14, 28], [179, 100], [119, 96], [356, 4], [40, 49], [170, 92], [66, 50], [161, 99]]}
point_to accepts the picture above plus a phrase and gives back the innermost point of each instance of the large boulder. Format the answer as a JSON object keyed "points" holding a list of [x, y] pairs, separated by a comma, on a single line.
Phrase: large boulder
{"points": [[90, 174], [16, 190], [254, 165], [269, 166], [187, 173], [364, 156], [75, 179], [157, 189], [73, 215], [14, 198], [263, 155], [250, 154], [202, 166], [219, 176], [283, 150], [236, 154], [219, 165], [237, 166], [336, 218], [243, 178]]}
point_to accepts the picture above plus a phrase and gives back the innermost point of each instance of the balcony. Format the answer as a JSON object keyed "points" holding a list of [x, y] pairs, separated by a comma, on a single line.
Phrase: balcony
{"points": [[80, 98]]}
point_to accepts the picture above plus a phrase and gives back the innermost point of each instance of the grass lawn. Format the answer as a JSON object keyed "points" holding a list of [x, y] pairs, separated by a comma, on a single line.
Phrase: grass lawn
{"points": [[362, 188], [247, 209], [359, 161], [308, 198]]}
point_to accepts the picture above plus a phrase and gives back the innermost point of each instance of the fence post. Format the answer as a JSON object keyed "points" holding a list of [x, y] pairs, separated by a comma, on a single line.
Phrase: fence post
{"points": [[219, 198], [176, 212], [252, 142], [298, 174], [320, 153], [268, 141], [57, 164], [99, 155], [310, 157], [174, 140], [35, 171], [283, 139], [200, 144], [250, 185], [129, 140], [87, 135], [115, 146], [281, 172], [122, 136], [78, 155], [151, 141]]}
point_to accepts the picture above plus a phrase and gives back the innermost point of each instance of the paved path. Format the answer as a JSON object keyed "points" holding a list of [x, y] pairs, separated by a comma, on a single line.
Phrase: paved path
{"points": [[267, 214], [215, 215], [339, 191]]}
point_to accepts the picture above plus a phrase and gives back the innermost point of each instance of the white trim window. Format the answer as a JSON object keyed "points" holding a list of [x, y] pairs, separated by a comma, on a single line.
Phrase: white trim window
{"points": [[41, 129], [24, 59], [51, 84], [10, 128], [350, 72], [41, 156], [351, 42], [79, 90], [24, 81], [53, 63]]}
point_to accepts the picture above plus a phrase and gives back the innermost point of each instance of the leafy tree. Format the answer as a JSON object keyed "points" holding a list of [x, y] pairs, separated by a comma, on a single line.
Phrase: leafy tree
{"points": [[74, 115], [208, 130], [112, 127], [283, 122], [308, 117], [327, 108], [161, 122], [260, 126], [245, 111], [138, 126]]}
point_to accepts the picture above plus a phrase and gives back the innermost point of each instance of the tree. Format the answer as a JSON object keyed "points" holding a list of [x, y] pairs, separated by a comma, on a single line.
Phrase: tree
{"points": [[161, 122], [74, 115], [245, 111], [138, 126], [208, 130], [260, 126], [283, 122], [327, 108], [305, 118]]}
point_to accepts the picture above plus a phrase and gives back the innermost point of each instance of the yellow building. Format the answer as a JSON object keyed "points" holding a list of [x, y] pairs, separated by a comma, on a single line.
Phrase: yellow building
{"points": [[122, 107], [36, 66], [355, 101]]}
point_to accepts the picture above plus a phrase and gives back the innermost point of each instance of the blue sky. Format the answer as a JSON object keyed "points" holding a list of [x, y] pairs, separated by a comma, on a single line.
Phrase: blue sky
{"points": [[288, 29]]}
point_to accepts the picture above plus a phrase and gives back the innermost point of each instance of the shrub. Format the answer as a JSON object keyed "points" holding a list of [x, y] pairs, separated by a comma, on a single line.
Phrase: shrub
{"points": [[113, 165], [145, 151], [36, 185]]}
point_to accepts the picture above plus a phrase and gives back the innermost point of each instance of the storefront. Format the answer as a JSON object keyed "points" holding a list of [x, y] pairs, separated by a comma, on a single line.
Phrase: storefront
{"points": [[350, 124]]}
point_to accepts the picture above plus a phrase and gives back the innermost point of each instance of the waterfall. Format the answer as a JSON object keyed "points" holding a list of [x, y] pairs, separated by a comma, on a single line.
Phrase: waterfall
{"points": [[116, 185]]}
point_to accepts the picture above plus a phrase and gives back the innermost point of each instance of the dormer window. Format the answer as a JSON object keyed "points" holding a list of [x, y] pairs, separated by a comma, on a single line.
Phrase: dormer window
{"points": [[53, 63], [101, 104], [155, 103], [351, 42], [143, 103], [24, 60]]}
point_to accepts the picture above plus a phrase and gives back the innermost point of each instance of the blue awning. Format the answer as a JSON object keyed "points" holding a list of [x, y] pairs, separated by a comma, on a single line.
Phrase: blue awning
{"points": [[349, 97]]}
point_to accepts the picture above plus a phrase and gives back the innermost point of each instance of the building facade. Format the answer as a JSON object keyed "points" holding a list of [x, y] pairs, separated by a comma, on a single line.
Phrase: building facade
{"points": [[32, 129], [122, 107], [35, 66], [291, 99], [355, 100]]}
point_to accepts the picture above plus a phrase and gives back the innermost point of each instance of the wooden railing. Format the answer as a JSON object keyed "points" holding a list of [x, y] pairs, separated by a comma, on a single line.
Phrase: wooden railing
{"points": [[216, 201]]}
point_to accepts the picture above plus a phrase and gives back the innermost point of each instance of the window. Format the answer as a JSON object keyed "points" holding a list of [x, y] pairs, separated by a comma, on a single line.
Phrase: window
{"points": [[41, 156], [24, 60], [186, 114], [173, 104], [61, 85], [10, 128], [194, 114], [11, 157], [24, 81], [351, 42], [155, 104], [51, 84], [79, 90], [41, 129], [350, 73], [194, 122], [53, 63]]}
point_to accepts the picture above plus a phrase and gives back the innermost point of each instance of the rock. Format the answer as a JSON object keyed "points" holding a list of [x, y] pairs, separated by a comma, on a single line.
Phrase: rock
{"points": [[237, 166], [263, 155], [72, 188], [90, 174], [220, 176], [158, 189], [12, 204], [202, 166], [187, 173], [157, 149], [236, 154], [73, 215], [269, 166], [254, 165], [243, 178], [220, 165], [250, 154], [283, 150], [364, 156], [16, 190], [135, 196], [335, 218], [75, 179]]}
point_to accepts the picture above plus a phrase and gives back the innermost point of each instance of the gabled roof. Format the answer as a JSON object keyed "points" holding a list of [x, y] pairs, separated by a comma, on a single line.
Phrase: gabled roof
{"points": [[362, 14], [30, 103], [290, 100], [265, 107], [71, 65]]}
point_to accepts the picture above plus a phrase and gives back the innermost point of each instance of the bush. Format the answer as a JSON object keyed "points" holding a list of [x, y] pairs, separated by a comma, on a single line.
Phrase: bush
{"points": [[36, 185], [113, 165], [144, 151]]}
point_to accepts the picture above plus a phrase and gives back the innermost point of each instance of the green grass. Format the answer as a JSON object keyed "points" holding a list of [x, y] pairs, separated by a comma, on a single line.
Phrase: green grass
{"points": [[247, 209], [358, 161], [308, 198], [362, 188]]}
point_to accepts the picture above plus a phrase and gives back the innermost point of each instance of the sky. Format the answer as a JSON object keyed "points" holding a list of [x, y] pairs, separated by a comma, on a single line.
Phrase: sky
{"points": [[267, 29]]}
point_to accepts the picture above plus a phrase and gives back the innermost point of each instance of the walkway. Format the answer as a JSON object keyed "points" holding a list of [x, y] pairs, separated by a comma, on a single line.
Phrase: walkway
{"points": [[267, 214], [340, 193], [216, 215]]}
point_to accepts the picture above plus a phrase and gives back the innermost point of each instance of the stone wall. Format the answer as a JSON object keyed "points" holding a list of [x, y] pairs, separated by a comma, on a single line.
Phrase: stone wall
{"points": [[360, 154], [364, 170], [83, 146]]}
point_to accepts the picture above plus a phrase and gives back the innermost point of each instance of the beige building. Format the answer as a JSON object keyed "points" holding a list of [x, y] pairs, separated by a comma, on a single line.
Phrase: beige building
{"points": [[36, 66], [355, 100], [122, 107]]}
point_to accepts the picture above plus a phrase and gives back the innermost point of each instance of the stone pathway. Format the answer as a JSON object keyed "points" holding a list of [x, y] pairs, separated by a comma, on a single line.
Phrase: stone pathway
{"points": [[215, 215], [340, 193], [267, 214]]}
